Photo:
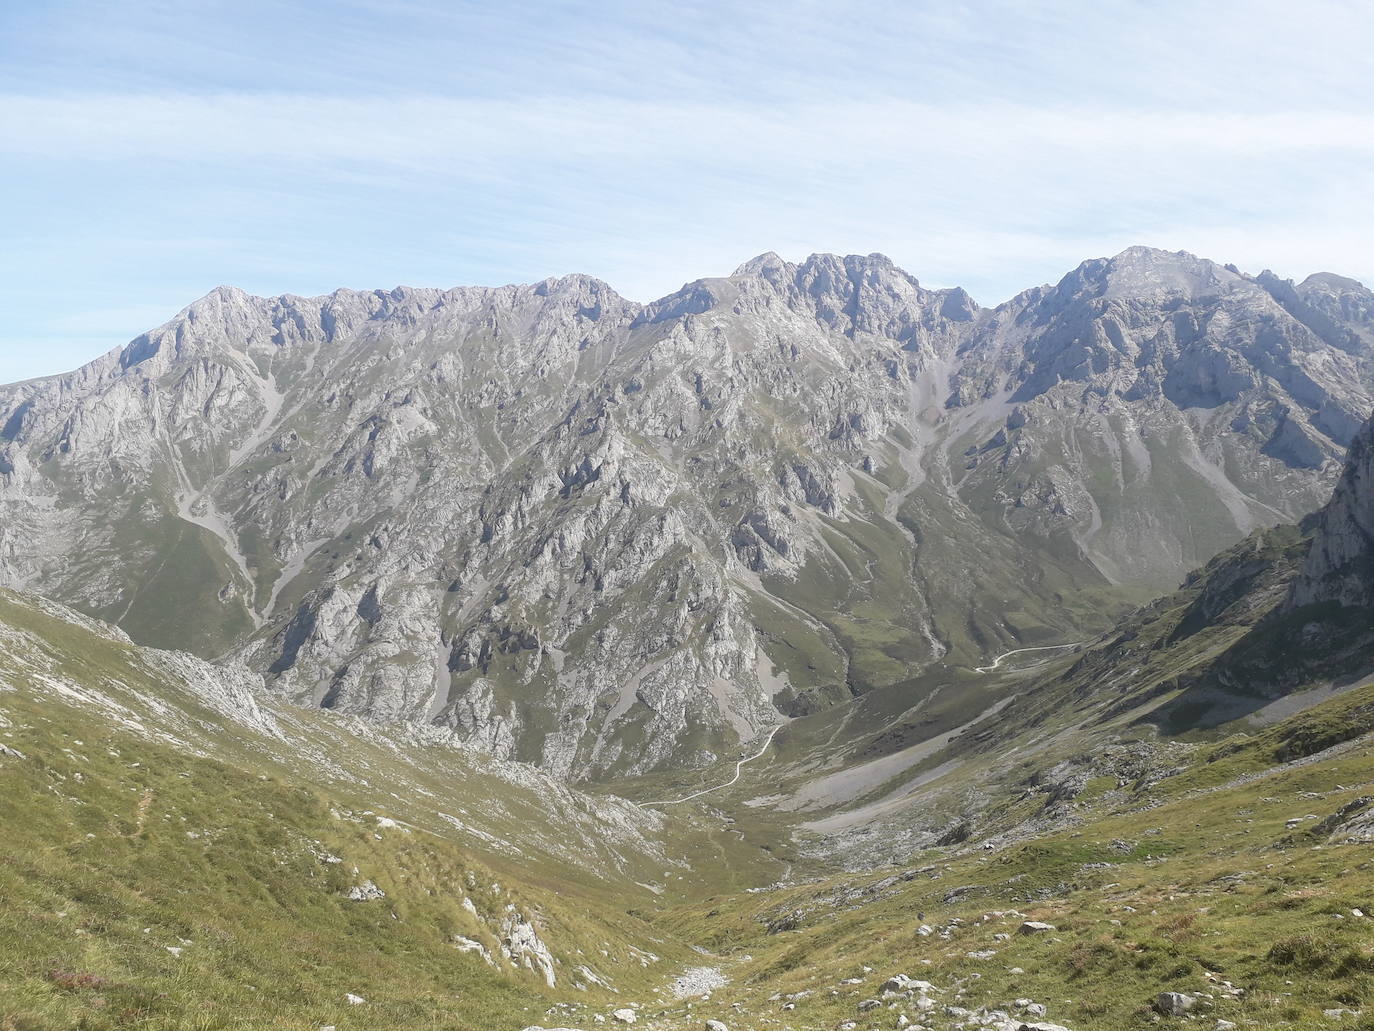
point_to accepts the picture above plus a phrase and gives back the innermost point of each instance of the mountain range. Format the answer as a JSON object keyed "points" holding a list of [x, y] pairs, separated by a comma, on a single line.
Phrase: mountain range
{"points": [[606, 537]]}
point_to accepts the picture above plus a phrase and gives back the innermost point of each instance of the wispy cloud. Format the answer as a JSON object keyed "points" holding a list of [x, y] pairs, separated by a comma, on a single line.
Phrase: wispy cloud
{"points": [[419, 130], [154, 150]]}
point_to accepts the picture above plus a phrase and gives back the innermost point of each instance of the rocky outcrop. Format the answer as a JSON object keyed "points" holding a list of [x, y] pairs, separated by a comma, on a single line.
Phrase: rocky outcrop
{"points": [[522, 946], [1340, 564], [604, 537]]}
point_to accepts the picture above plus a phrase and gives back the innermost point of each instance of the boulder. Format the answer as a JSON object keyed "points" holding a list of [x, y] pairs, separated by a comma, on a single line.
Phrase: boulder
{"points": [[365, 892], [1035, 927], [896, 983], [1174, 1004], [903, 983]]}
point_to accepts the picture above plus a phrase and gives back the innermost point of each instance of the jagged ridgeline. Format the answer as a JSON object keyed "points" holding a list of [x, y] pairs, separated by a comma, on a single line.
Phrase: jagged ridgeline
{"points": [[605, 537]]}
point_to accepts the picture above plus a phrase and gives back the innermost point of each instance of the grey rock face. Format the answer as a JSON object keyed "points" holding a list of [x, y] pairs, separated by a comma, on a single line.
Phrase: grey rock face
{"points": [[1187, 386], [602, 536], [1340, 566]]}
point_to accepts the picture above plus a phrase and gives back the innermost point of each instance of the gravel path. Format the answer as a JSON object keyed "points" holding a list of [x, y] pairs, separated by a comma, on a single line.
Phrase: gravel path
{"points": [[1017, 651], [706, 791]]}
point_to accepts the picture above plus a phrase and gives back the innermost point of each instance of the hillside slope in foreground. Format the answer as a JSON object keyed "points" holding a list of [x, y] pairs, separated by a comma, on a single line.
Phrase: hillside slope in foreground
{"points": [[181, 852]]}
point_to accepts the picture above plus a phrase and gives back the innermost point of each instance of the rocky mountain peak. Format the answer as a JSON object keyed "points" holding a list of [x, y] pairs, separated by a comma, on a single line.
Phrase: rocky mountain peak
{"points": [[1149, 273], [1331, 283], [767, 262], [854, 295], [1338, 310], [577, 285], [1345, 304], [603, 536], [959, 305]]}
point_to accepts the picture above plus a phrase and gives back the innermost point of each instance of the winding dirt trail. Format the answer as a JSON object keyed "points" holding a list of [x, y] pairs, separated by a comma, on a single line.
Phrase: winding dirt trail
{"points": [[1017, 651], [141, 815], [738, 766]]}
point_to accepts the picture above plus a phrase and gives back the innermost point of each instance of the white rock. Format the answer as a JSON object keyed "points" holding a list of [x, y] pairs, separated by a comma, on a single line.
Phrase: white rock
{"points": [[1174, 1004]]}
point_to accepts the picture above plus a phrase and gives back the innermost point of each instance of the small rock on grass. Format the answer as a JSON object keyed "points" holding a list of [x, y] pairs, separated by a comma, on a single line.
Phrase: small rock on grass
{"points": [[1174, 1004]]}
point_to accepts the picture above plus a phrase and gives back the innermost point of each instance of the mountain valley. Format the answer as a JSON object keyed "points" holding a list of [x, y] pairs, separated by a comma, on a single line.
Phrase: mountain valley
{"points": [[806, 649], [608, 538]]}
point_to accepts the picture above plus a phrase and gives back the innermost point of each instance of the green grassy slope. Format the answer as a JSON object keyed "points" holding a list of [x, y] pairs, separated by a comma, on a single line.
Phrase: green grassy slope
{"points": [[140, 818], [1199, 880]]}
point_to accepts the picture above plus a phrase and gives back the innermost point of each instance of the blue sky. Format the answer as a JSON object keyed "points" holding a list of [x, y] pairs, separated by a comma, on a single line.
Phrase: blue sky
{"points": [[152, 150]]}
